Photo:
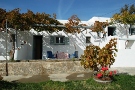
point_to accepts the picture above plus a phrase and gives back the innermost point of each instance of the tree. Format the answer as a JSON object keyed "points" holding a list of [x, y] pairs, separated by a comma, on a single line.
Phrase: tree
{"points": [[26, 21], [72, 21], [126, 16], [99, 27], [2, 17]]}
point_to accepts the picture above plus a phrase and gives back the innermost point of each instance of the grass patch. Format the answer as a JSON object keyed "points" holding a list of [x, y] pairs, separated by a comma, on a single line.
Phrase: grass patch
{"points": [[121, 82]]}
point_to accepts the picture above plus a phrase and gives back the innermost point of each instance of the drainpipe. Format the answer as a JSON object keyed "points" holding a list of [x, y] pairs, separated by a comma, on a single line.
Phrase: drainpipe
{"points": [[127, 41], [126, 31], [130, 28], [16, 46]]}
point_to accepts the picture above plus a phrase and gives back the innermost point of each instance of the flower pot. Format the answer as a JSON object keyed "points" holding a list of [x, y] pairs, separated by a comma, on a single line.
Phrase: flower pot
{"points": [[102, 80]]}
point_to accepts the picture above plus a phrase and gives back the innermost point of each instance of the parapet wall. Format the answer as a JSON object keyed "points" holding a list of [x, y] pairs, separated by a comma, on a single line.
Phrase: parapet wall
{"points": [[41, 67]]}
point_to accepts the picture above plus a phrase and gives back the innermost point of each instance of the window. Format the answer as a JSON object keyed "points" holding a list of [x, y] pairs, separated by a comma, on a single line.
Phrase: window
{"points": [[88, 39], [59, 40], [132, 31], [12, 38], [111, 31]]}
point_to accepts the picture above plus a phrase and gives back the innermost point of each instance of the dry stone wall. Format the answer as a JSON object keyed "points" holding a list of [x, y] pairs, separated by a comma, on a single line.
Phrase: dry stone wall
{"points": [[41, 67]]}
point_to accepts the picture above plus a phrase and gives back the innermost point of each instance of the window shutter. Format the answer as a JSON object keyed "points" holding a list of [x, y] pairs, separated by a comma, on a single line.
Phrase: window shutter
{"points": [[66, 41], [51, 40], [114, 32]]}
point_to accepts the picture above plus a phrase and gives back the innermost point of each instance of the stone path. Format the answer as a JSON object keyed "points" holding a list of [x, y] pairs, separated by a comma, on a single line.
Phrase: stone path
{"points": [[63, 77]]}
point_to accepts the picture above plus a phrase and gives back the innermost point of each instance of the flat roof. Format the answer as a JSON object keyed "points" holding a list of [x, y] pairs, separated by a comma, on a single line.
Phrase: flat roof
{"points": [[127, 39]]}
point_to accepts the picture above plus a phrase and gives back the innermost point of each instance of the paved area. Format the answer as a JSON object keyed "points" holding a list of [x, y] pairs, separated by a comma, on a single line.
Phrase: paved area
{"points": [[63, 77], [128, 70], [54, 77]]}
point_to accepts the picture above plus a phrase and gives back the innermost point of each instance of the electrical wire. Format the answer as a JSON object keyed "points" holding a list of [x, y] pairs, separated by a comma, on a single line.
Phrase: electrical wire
{"points": [[115, 10]]}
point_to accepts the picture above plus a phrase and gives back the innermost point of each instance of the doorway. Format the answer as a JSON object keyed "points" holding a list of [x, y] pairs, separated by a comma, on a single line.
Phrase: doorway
{"points": [[37, 47]]}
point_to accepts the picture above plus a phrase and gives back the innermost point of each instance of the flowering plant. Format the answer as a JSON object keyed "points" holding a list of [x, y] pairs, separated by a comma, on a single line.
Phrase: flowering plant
{"points": [[105, 74]]}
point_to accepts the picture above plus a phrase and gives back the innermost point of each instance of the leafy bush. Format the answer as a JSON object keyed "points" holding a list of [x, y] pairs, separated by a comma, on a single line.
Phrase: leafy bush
{"points": [[94, 56]]}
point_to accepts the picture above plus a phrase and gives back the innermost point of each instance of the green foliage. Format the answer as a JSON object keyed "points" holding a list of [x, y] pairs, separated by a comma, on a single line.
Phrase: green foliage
{"points": [[121, 82], [95, 56], [125, 16]]}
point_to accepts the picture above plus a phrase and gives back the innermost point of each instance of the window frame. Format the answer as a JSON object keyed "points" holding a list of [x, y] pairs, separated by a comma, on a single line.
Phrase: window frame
{"points": [[65, 40], [59, 42]]}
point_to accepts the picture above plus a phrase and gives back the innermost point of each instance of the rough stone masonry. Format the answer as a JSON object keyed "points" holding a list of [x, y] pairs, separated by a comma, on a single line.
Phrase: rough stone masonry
{"points": [[40, 67]]}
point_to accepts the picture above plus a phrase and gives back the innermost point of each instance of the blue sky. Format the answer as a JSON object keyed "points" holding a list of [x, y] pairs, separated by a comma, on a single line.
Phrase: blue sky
{"points": [[84, 9]]}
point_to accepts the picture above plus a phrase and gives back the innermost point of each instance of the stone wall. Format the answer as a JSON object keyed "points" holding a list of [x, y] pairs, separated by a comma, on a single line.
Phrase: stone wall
{"points": [[41, 67]]}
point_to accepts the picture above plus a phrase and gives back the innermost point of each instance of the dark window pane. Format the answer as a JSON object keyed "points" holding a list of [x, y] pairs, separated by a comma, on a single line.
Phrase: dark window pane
{"points": [[12, 38], [132, 31], [61, 39], [111, 31], [88, 39], [57, 39]]}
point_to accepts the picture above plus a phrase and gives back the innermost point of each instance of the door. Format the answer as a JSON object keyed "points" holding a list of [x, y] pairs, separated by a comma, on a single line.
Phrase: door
{"points": [[37, 47]]}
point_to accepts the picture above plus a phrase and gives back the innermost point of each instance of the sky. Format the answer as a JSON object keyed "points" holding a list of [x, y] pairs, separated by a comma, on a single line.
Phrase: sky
{"points": [[64, 9]]}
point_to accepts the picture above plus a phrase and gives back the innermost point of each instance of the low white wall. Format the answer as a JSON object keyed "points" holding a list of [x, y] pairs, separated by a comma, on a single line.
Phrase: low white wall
{"points": [[125, 58], [4, 57]]}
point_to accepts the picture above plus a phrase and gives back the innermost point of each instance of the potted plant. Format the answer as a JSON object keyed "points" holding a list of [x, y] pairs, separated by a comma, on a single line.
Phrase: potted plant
{"points": [[100, 59], [104, 75]]}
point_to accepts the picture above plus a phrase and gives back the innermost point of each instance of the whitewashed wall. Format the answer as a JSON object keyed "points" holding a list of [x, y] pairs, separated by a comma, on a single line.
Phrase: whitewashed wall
{"points": [[3, 46], [125, 57]]}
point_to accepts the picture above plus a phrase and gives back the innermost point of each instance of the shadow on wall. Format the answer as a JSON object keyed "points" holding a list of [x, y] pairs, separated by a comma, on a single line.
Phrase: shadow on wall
{"points": [[23, 44], [3, 44], [76, 43], [121, 30], [129, 44]]}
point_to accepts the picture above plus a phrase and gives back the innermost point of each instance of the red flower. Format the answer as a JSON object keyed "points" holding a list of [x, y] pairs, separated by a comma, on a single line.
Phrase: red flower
{"points": [[114, 72], [99, 75], [104, 68], [110, 73]]}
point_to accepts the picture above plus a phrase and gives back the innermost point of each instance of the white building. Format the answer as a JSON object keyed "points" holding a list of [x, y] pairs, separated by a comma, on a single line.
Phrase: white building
{"points": [[34, 45]]}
